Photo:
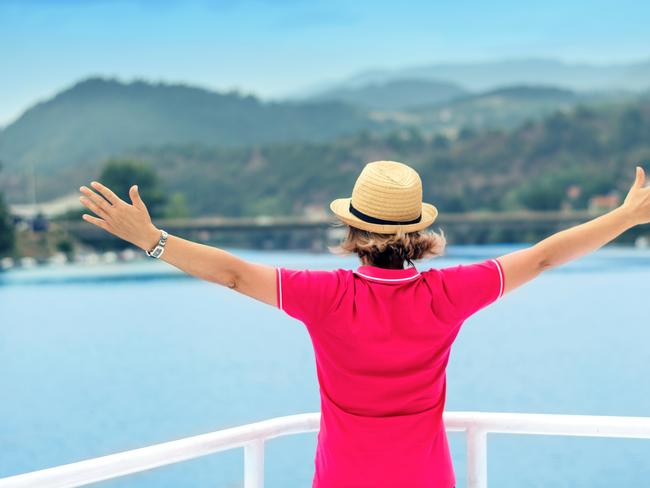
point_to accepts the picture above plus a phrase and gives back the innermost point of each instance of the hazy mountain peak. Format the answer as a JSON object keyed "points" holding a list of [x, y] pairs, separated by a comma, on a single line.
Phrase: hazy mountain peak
{"points": [[394, 94], [487, 75]]}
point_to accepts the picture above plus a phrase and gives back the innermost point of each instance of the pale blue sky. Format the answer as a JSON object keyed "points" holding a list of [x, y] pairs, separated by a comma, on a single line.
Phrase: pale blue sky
{"points": [[273, 48]]}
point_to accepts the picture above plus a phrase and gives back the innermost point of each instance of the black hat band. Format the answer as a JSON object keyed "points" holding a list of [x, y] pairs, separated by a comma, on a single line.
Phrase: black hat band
{"points": [[375, 220]]}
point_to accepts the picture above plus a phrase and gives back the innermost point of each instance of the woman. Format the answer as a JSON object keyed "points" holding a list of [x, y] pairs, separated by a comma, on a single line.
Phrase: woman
{"points": [[381, 333]]}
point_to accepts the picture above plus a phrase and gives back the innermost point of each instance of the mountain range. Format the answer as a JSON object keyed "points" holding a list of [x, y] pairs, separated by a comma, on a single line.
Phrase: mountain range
{"points": [[73, 133], [98, 117]]}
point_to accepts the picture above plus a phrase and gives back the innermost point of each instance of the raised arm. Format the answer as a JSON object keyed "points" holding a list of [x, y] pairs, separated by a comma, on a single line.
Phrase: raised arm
{"points": [[132, 223], [523, 265]]}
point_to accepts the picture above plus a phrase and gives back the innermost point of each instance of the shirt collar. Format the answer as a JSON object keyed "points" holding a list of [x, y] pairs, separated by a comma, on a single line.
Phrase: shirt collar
{"points": [[385, 275]]}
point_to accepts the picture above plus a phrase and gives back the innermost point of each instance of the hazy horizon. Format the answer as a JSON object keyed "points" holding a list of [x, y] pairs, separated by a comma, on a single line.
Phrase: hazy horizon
{"points": [[9, 119]]}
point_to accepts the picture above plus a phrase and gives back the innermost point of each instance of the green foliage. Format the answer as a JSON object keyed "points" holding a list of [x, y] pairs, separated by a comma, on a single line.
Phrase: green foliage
{"points": [[7, 231], [176, 207], [440, 141], [120, 174], [544, 193], [530, 167], [549, 190], [65, 246], [466, 133], [632, 126]]}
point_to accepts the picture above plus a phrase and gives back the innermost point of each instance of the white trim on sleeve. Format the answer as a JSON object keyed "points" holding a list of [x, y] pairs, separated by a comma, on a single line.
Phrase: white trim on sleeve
{"points": [[496, 263], [280, 287]]}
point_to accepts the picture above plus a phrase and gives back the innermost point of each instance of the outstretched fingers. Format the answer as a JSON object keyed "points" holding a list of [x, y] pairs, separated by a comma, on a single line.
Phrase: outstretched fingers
{"points": [[95, 202], [94, 208], [94, 220], [107, 193]]}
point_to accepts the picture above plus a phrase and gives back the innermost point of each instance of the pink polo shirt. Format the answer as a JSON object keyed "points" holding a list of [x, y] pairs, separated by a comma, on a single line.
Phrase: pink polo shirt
{"points": [[381, 340]]}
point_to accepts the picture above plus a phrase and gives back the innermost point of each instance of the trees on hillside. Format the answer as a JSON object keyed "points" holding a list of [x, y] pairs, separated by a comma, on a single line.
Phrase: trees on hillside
{"points": [[120, 174], [531, 167], [536, 166], [7, 234]]}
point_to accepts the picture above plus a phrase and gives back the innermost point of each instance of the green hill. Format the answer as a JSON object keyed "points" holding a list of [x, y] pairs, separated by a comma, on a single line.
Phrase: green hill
{"points": [[99, 117], [531, 166]]}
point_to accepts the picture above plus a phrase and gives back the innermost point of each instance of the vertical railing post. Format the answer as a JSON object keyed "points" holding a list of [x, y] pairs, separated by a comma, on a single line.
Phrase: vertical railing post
{"points": [[476, 458], [254, 464]]}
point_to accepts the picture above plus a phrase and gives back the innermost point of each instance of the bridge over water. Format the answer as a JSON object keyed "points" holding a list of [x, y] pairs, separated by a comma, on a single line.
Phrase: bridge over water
{"points": [[317, 232]]}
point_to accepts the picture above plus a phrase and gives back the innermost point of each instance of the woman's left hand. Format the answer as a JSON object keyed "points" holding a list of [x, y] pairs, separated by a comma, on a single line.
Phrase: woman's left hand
{"points": [[130, 222]]}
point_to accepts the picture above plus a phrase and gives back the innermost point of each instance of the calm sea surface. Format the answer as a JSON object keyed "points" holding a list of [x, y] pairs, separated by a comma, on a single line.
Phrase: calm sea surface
{"points": [[98, 359]]}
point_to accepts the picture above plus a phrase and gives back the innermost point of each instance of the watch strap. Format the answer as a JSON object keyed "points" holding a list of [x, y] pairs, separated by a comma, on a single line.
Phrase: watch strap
{"points": [[157, 251]]}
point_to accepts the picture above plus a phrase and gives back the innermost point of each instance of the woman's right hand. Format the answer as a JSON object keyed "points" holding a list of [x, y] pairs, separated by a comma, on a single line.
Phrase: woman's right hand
{"points": [[637, 201], [130, 222]]}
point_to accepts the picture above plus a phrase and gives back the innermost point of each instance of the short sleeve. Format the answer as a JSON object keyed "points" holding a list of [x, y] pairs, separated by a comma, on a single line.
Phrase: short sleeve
{"points": [[471, 287], [306, 295]]}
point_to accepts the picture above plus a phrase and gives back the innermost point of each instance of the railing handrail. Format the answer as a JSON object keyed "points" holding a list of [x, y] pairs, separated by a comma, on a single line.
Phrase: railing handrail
{"points": [[252, 437], [145, 458], [550, 424]]}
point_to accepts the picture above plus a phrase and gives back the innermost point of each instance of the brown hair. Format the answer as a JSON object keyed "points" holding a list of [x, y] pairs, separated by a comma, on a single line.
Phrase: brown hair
{"points": [[390, 250]]}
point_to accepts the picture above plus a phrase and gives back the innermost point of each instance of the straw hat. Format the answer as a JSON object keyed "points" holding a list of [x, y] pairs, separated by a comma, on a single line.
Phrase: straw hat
{"points": [[386, 197]]}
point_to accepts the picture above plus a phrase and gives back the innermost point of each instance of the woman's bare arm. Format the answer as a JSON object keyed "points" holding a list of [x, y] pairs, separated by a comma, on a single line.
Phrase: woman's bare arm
{"points": [[523, 265], [132, 223]]}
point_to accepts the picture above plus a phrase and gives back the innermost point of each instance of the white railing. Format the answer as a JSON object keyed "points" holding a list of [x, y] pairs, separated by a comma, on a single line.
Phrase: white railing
{"points": [[252, 437]]}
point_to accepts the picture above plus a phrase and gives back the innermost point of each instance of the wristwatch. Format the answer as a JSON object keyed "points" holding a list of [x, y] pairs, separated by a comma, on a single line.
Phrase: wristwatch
{"points": [[157, 251]]}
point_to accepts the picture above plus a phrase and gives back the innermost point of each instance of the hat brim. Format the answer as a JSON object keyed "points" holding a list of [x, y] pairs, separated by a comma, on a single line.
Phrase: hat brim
{"points": [[341, 208]]}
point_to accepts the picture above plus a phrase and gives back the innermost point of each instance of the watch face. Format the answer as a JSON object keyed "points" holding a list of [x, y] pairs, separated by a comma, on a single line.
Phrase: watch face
{"points": [[157, 252]]}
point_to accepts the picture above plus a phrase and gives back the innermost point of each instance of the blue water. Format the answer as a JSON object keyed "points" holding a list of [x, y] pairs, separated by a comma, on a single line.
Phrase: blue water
{"points": [[103, 358]]}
